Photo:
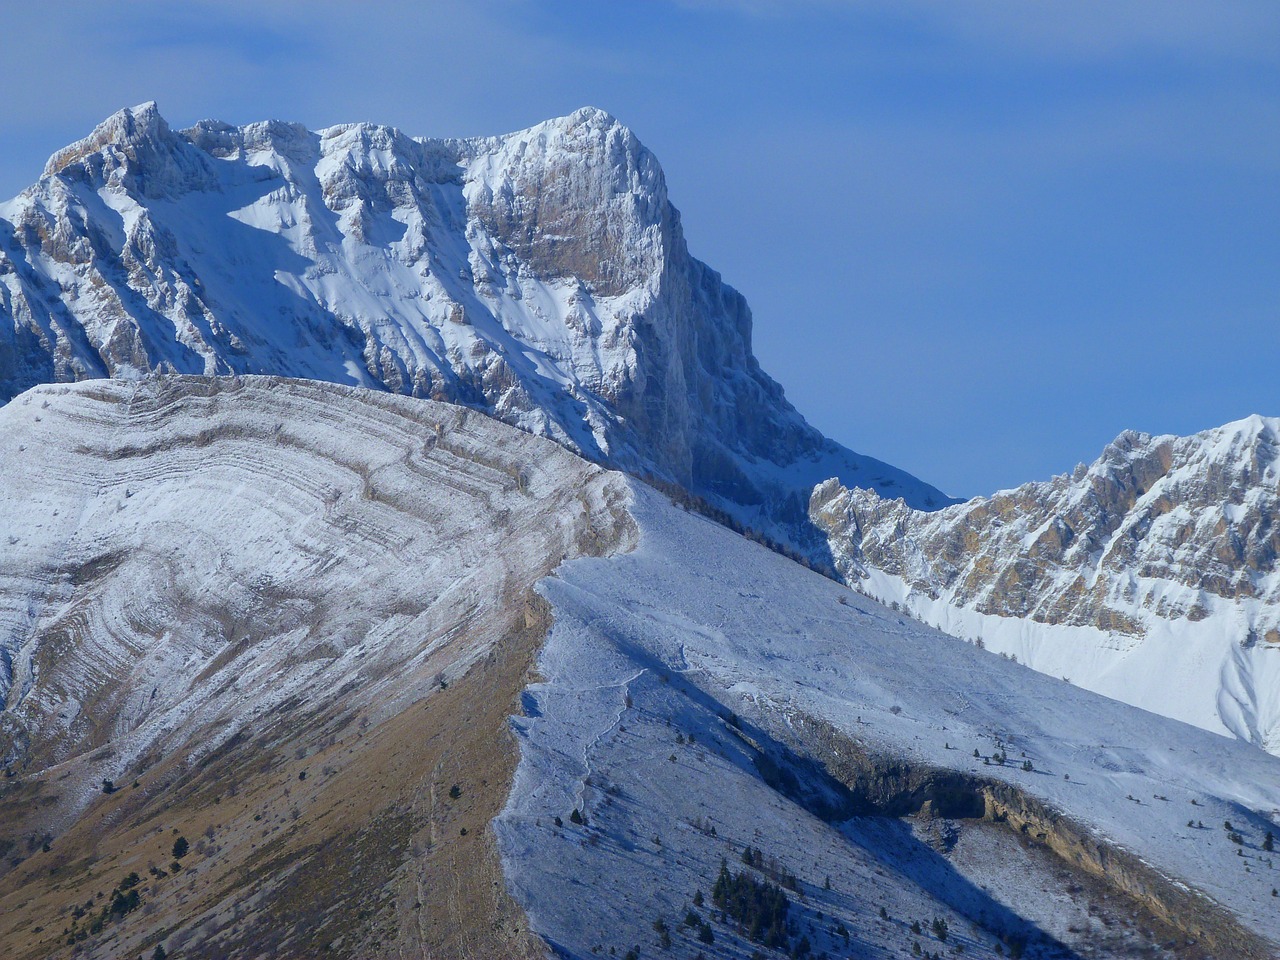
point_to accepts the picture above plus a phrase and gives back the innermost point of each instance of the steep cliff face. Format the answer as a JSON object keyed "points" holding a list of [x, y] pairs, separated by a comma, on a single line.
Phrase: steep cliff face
{"points": [[1159, 558], [541, 276]]}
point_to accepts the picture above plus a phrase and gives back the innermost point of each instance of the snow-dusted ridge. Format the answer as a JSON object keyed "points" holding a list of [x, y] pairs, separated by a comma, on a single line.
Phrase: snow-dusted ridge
{"points": [[652, 650], [151, 529], [282, 617], [541, 276], [1152, 575], [298, 617]]}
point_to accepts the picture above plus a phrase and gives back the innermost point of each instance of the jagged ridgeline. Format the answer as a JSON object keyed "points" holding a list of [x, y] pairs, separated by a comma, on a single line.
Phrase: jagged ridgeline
{"points": [[541, 276], [1150, 575]]}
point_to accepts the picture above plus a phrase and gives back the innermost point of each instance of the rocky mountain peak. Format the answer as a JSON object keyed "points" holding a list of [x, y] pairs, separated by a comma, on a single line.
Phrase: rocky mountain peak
{"points": [[541, 275], [134, 149], [128, 127], [1164, 543]]}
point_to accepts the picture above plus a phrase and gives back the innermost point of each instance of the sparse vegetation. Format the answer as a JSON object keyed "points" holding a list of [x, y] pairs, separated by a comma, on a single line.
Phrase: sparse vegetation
{"points": [[758, 906]]}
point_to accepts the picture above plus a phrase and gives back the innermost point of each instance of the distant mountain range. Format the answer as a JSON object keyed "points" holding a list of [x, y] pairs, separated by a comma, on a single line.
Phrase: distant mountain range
{"points": [[1150, 576]]}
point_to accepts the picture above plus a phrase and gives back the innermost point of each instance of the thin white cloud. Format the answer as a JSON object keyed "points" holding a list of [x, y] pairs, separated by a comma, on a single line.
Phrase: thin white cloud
{"points": [[1058, 28]]}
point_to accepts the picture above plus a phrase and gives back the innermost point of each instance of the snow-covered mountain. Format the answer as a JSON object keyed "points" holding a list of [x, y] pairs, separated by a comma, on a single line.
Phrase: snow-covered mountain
{"points": [[279, 619], [290, 619], [1150, 576], [285, 623], [541, 276]]}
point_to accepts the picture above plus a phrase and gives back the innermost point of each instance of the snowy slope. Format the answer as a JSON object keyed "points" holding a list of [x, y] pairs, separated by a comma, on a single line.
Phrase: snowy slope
{"points": [[280, 609], [183, 554], [541, 276], [653, 649], [281, 617], [1150, 576]]}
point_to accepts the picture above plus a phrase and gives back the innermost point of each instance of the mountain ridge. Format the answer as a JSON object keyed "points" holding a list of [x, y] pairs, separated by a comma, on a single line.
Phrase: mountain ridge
{"points": [[411, 680], [1163, 557], [541, 276]]}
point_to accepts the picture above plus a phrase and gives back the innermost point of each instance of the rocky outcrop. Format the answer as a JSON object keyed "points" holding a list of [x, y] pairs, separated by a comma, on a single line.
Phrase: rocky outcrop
{"points": [[880, 785], [541, 276], [1087, 548], [1162, 540], [290, 621]]}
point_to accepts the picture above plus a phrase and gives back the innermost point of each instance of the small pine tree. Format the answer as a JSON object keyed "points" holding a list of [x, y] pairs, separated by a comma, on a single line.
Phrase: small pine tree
{"points": [[697, 898], [576, 817], [180, 848], [158, 953], [108, 786], [1268, 842], [664, 933], [455, 792]]}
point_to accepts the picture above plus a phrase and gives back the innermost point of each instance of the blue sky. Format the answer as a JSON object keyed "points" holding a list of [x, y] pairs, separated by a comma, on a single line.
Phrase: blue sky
{"points": [[980, 237]]}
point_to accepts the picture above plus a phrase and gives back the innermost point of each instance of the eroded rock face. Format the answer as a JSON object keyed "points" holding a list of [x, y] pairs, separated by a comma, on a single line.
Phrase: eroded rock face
{"points": [[1163, 553], [541, 276], [215, 588], [1086, 548]]}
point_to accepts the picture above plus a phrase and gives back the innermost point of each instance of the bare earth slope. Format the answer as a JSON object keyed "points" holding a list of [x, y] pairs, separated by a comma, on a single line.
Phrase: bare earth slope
{"points": [[1152, 575], [284, 619]]}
